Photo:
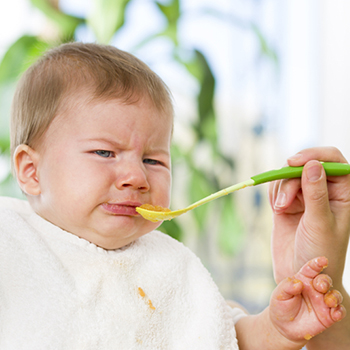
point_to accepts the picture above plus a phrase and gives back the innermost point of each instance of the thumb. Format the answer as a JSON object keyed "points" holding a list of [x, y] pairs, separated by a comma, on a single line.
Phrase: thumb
{"points": [[315, 193]]}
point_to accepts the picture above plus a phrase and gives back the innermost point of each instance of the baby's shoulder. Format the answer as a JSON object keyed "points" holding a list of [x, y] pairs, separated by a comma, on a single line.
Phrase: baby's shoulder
{"points": [[16, 205], [13, 214]]}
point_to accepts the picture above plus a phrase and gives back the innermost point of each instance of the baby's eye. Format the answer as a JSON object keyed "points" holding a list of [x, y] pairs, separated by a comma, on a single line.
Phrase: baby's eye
{"points": [[102, 153], [152, 161]]}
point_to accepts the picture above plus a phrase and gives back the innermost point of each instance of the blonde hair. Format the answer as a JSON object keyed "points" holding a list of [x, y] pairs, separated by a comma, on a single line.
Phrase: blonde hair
{"points": [[105, 72]]}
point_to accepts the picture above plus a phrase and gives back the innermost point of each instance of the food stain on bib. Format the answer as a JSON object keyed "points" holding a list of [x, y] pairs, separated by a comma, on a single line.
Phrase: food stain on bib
{"points": [[143, 295]]}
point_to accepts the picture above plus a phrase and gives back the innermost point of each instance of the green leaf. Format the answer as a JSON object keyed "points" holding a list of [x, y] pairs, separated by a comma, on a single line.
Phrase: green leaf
{"points": [[5, 144], [231, 229], [172, 14], [172, 229], [65, 23], [171, 11], [6, 94], [200, 187], [206, 94], [106, 18], [206, 126], [191, 65], [171, 33], [264, 46], [19, 56]]}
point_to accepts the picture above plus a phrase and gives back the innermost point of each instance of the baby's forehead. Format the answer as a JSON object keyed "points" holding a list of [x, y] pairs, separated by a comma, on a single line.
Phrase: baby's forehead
{"points": [[99, 122], [85, 98], [82, 101]]}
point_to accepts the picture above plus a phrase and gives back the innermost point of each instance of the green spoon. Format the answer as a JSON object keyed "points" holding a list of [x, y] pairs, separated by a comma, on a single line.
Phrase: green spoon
{"points": [[332, 169]]}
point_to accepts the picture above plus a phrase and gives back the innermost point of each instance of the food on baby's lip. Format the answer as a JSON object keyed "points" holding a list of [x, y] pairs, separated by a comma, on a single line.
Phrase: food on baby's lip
{"points": [[154, 207]]}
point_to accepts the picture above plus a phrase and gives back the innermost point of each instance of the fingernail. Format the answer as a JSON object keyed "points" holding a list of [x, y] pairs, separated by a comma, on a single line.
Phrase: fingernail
{"points": [[314, 173], [295, 157], [280, 200]]}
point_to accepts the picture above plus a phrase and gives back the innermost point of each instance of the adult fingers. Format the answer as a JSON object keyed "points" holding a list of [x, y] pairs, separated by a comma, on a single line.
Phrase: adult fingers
{"points": [[284, 194], [324, 154], [318, 214]]}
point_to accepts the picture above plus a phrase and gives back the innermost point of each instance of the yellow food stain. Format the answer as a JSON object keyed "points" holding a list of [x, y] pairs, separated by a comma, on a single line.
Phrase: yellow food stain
{"points": [[154, 207], [151, 305], [143, 295], [308, 336], [141, 292], [330, 300]]}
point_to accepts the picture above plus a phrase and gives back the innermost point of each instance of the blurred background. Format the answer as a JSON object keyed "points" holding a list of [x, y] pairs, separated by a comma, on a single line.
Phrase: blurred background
{"points": [[254, 81]]}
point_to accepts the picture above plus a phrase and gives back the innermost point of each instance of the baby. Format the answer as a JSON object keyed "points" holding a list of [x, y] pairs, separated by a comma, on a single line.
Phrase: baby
{"points": [[80, 269]]}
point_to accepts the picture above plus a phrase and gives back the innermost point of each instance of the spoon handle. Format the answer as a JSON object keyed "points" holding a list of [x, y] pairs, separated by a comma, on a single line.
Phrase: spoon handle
{"points": [[332, 169]]}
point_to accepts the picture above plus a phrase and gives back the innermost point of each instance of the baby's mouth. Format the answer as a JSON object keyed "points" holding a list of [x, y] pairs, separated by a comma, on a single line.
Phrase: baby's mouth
{"points": [[125, 208]]}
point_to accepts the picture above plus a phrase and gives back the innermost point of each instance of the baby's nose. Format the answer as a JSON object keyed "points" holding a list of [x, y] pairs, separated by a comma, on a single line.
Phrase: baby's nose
{"points": [[132, 176]]}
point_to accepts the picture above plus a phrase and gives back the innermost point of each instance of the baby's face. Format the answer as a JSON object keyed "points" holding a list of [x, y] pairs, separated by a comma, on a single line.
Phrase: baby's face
{"points": [[99, 161]]}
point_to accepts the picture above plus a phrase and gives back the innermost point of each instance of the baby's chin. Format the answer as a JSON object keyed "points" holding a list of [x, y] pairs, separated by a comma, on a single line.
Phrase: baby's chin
{"points": [[112, 238]]}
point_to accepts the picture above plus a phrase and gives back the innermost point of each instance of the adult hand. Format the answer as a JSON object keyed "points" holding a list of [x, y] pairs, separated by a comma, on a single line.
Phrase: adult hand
{"points": [[311, 215]]}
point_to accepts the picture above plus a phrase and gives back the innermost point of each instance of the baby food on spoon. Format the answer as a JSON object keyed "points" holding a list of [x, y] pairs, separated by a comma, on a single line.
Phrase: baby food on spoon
{"points": [[154, 207]]}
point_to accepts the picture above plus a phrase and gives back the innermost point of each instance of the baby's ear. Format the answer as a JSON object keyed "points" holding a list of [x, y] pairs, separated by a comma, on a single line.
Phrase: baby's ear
{"points": [[26, 161]]}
